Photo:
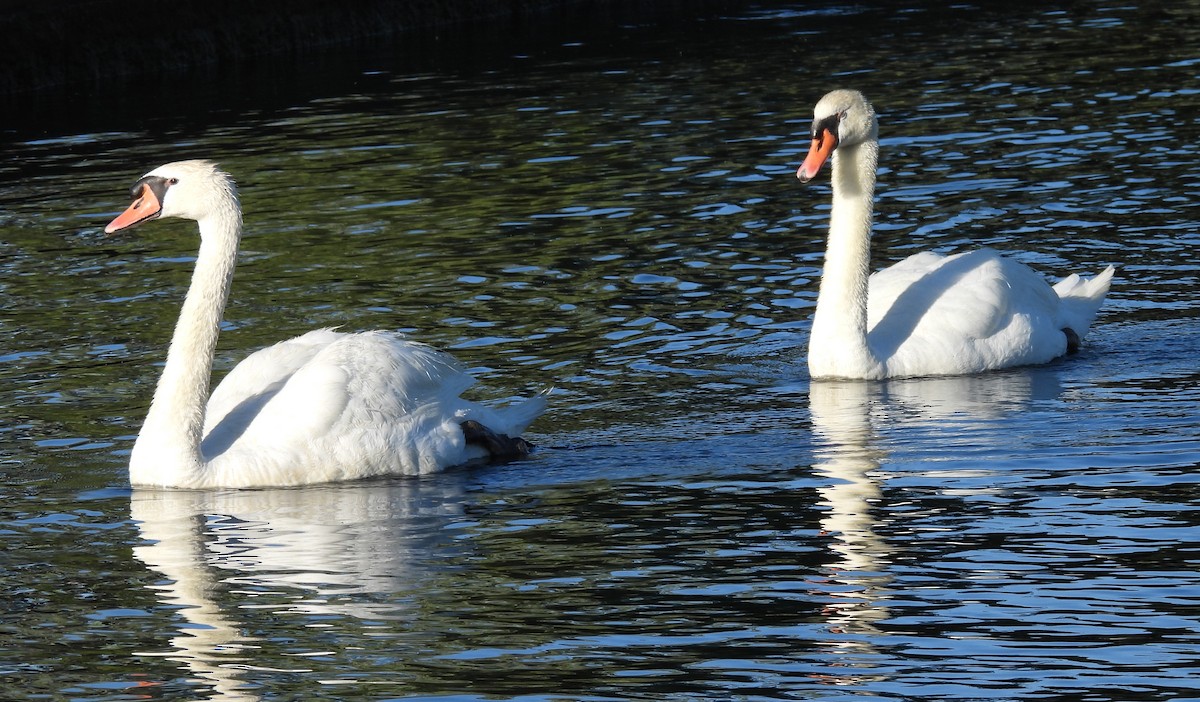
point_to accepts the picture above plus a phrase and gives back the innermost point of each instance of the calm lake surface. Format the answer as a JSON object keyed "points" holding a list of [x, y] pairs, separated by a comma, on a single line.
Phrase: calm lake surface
{"points": [[618, 217]]}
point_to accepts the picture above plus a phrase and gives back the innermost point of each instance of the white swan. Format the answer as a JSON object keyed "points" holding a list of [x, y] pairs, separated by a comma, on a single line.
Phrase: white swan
{"points": [[322, 407], [928, 314]]}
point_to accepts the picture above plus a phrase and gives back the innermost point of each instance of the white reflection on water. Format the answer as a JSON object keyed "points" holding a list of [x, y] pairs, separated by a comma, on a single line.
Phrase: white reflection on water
{"points": [[335, 544], [846, 455], [1026, 534], [849, 452]]}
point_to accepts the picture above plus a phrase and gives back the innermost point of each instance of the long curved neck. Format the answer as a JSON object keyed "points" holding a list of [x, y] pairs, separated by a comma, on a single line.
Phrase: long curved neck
{"points": [[167, 451], [839, 331]]}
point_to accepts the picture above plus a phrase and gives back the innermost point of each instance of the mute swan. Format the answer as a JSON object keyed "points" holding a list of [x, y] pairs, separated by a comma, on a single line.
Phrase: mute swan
{"points": [[322, 407], [928, 314]]}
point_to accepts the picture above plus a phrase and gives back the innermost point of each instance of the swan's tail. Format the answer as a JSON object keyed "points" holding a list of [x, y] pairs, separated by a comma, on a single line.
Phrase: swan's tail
{"points": [[517, 417], [1081, 298]]}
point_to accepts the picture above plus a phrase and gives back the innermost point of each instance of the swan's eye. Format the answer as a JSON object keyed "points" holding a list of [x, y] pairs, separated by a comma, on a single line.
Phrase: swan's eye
{"points": [[173, 181], [828, 124]]}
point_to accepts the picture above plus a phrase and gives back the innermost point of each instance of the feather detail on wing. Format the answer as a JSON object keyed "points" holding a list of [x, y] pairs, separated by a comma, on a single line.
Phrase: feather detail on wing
{"points": [[966, 312], [261, 374], [327, 386]]}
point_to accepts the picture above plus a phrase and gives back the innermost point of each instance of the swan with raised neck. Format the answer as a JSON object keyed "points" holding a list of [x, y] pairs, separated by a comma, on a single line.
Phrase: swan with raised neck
{"points": [[322, 407], [928, 314]]}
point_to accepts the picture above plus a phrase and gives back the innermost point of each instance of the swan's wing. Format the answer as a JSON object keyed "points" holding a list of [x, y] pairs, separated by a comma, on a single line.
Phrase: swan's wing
{"points": [[971, 311], [887, 285], [262, 373], [363, 405], [373, 387], [390, 374], [970, 294]]}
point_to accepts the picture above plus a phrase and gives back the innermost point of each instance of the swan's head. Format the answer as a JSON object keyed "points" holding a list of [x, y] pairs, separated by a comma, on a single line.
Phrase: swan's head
{"points": [[184, 189], [841, 118]]}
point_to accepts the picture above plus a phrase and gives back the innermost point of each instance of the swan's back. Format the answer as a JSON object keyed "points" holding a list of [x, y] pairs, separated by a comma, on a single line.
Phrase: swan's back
{"points": [[262, 373], [329, 406], [934, 315]]}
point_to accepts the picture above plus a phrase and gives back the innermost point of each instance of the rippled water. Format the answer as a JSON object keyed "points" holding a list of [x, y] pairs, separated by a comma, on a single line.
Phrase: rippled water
{"points": [[617, 217]]}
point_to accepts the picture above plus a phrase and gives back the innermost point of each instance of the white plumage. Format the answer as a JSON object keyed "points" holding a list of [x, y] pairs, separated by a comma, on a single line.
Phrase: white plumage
{"points": [[928, 314], [322, 407]]}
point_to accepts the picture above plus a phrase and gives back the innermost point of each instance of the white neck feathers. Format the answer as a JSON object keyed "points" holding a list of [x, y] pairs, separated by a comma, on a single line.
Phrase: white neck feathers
{"points": [[838, 344], [167, 451]]}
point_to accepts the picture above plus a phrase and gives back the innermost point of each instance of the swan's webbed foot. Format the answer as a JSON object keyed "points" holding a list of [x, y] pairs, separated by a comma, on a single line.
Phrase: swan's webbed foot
{"points": [[501, 446], [1074, 343]]}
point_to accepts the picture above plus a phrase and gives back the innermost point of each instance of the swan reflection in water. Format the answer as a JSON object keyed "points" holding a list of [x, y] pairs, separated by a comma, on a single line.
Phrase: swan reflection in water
{"points": [[355, 550], [848, 418], [331, 547]]}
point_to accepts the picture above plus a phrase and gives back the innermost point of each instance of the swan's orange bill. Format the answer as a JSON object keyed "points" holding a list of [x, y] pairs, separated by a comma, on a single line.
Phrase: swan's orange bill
{"points": [[823, 145], [145, 206]]}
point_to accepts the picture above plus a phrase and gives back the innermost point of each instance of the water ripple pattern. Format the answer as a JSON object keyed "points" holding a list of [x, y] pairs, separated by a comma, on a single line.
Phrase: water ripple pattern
{"points": [[618, 217]]}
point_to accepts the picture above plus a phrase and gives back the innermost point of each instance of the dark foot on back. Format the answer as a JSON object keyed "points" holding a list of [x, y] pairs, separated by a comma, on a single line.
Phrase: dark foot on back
{"points": [[1074, 343], [501, 447]]}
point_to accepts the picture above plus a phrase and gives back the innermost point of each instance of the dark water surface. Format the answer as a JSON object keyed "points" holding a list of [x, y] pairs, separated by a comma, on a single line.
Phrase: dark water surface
{"points": [[618, 217]]}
